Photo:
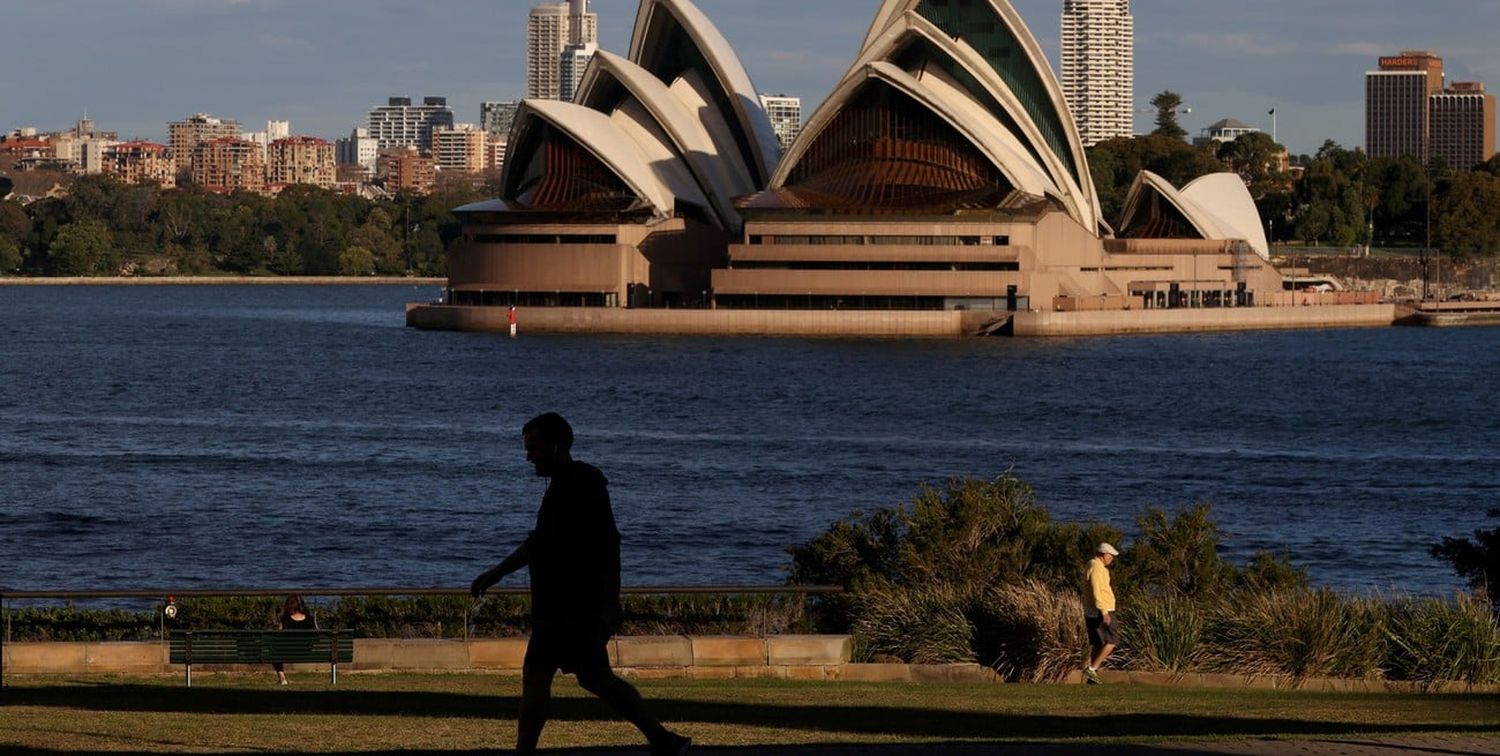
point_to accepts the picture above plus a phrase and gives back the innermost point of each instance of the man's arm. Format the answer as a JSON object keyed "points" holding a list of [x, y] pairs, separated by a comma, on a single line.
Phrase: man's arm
{"points": [[517, 559]]}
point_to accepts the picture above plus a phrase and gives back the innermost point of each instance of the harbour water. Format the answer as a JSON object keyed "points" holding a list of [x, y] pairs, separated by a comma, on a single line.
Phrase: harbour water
{"points": [[241, 436]]}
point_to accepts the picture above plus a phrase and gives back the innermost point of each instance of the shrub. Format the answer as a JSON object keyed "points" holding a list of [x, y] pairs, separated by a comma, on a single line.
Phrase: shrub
{"points": [[1476, 560], [1029, 632], [1163, 634], [1176, 555], [969, 535], [1433, 641], [68, 623], [1301, 633]]}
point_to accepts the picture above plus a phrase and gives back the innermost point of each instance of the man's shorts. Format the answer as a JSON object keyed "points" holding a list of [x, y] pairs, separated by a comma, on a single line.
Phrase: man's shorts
{"points": [[1101, 633], [569, 649]]}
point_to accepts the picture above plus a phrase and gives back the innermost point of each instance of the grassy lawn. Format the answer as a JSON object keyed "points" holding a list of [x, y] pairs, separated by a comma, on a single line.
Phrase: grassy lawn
{"points": [[461, 713]]}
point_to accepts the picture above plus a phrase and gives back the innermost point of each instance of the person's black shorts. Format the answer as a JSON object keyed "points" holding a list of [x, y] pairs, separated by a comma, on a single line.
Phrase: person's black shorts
{"points": [[1100, 633], [569, 649]]}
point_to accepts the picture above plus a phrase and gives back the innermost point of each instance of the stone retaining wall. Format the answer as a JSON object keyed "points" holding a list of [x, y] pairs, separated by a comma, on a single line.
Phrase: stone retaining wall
{"points": [[795, 657]]}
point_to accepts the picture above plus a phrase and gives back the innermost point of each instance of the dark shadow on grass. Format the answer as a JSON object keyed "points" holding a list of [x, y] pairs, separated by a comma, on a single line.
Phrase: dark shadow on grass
{"points": [[1009, 748], [908, 722]]}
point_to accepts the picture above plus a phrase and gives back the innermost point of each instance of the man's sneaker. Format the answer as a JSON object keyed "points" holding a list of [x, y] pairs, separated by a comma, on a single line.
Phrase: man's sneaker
{"points": [[1092, 676], [677, 746]]}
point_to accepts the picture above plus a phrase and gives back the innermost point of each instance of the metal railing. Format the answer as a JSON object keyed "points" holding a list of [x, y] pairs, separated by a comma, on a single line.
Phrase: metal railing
{"points": [[167, 596]]}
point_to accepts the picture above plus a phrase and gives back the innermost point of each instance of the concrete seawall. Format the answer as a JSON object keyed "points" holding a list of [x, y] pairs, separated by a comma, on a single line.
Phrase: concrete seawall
{"points": [[890, 324], [1231, 319]]}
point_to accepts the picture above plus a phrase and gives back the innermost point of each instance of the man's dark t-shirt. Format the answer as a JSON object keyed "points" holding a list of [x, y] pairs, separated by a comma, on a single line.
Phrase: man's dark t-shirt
{"points": [[575, 554]]}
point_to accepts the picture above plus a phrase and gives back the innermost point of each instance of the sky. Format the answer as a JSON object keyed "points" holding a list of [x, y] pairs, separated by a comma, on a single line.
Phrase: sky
{"points": [[134, 65]]}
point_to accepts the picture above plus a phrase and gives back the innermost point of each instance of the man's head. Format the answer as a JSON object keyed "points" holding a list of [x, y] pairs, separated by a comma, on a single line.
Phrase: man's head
{"points": [[1107, 554], [549, 443]]}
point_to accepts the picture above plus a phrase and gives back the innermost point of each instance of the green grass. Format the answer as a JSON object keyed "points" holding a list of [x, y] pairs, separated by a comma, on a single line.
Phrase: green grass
{"points": [[465, 713]]}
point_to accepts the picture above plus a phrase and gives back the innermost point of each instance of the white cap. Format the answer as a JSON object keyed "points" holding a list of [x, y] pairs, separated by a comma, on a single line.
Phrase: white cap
{"points": [[1105, 548]]}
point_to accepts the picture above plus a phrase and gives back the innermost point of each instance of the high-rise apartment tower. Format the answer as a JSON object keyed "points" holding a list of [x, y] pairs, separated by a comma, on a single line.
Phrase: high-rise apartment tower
{"points": [[550, 31], [786, 117], [1098, 67], [401, 124]]}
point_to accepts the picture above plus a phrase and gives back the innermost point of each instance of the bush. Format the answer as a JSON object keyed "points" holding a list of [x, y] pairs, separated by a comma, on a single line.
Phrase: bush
{"points": [[1300, 634], [1029, 632], [967, 536], [1176, 555], [1432, 641], [1163, 635], [1477, 560]]}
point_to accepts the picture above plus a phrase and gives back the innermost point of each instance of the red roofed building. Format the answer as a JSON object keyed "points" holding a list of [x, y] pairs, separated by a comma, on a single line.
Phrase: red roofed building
{"points": [[141, 163], [229, 164]]}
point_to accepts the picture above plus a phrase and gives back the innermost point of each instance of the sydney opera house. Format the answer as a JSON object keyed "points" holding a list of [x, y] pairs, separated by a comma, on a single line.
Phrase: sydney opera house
{"points": [[944, 172]]}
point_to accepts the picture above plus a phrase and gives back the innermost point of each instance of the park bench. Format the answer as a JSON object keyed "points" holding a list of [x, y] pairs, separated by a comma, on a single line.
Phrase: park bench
{"points": [[189, 647]]}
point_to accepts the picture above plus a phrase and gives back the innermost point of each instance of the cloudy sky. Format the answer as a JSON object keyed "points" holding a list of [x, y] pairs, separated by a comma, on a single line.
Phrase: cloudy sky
{"points": [[322, 64]]}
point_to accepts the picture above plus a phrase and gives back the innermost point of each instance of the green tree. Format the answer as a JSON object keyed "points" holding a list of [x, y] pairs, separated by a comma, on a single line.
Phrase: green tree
{"points": [[1167, 105], [377, 235], [1401, 188], [1115, 163], [14, 222], [10, 256], [1476, 560], [81, 249], [1466, 214], [283, 259], [1328, 206], [356, 261], [1256, 158]]}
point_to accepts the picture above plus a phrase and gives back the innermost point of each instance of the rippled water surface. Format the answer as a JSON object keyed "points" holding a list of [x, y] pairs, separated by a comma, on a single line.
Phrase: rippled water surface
{"points": [[283, 435]]}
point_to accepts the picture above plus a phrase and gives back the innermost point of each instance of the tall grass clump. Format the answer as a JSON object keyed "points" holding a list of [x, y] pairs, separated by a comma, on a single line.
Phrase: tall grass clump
{"points": [[1433, 641], [1029, 632], [920, 625], [1296, 633], [1163, 634]]}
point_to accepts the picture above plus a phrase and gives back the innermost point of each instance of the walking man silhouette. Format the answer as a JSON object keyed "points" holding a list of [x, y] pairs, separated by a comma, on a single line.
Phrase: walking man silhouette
{"points": [[573, 556]]}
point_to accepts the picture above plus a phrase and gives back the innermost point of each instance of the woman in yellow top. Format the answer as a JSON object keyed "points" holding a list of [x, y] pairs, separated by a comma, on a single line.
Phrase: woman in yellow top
{"points": [[1099, 611]]}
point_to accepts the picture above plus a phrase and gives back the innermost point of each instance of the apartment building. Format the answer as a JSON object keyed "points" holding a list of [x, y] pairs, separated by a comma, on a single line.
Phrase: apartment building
{"points": [[300, 160], [183, 137], [141, 163], [229, 164]]}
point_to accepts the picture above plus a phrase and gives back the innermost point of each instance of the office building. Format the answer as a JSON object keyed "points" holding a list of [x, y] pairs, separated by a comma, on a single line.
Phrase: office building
{"points": [[786, 117], [1398, 103], [1463, 125], [184, 136], [1098, 67], [300, 160], [496, 117], [550, 30], [399, 123]]}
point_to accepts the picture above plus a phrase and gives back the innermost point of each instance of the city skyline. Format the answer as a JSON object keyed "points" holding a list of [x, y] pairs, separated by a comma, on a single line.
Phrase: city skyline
{"points": [[122, 61]]}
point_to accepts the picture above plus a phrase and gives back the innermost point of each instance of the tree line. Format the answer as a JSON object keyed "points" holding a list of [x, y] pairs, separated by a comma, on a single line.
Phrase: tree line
{"points": [[1343, 197], [105, 227]]}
